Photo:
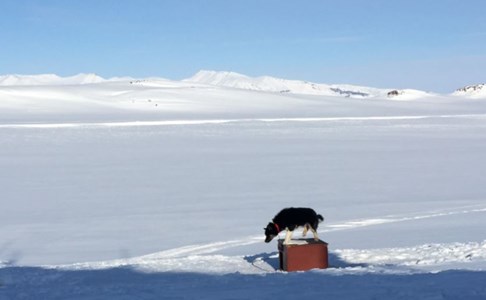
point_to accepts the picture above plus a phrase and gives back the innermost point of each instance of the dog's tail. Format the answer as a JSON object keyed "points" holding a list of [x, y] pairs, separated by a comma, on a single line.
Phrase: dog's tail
{"points": [[321, 218]]}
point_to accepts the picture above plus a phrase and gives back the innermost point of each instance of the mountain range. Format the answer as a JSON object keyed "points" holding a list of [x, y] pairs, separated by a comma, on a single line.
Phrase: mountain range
{"points": [[239, 81]]}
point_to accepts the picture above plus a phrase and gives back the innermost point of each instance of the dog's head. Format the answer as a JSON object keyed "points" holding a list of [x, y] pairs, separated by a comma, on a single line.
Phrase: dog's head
{"points": [[270, 232]]}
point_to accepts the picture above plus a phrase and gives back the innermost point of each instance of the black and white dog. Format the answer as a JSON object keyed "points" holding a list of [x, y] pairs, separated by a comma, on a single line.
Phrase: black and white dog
{"points": [[291, 218]]}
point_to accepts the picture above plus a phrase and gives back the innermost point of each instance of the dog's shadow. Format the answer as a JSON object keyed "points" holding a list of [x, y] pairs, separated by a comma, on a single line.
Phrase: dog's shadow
{"points": [[272, 259]]}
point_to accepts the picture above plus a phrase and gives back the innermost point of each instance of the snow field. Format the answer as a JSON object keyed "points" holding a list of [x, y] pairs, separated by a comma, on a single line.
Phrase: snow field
{"points": [[106, 195]]}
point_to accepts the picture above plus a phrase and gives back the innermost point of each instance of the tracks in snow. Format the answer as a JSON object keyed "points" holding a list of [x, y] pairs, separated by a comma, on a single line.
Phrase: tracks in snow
{"points": [[226, 121], [403, 218], [406, 260], [209, 248]]}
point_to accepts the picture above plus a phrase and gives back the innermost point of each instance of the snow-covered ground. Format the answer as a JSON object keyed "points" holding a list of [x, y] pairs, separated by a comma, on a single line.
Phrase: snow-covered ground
{"points": [[122, 189]]}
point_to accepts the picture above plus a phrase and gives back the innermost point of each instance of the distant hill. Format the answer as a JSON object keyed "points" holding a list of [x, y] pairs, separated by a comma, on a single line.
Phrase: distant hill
{"points": [[234, 80], [472, 91], [49, 79], [278, 85]]}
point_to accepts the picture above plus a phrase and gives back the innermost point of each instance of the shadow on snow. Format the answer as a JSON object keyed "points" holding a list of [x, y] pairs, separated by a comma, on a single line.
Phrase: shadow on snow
{"points": [[129, 283], [273, 261]]}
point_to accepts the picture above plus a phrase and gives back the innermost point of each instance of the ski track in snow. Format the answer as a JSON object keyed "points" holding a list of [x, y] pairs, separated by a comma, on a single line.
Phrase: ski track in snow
{"points": [[225, 121], [394, 219], [219, 246], [204, 258]]}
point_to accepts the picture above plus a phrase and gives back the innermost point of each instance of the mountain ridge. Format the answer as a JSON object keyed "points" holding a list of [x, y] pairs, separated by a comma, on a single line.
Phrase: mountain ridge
{"points": [[279, 85], [49, 79], [229, 79], [473, 91]]}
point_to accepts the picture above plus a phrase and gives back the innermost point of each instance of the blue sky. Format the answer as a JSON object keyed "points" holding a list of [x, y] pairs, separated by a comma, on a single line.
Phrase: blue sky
{"points": [[424, 44]]}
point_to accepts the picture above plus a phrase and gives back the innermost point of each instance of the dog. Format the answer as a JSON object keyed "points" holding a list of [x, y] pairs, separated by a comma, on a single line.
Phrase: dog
{"points": [[291, 218]]}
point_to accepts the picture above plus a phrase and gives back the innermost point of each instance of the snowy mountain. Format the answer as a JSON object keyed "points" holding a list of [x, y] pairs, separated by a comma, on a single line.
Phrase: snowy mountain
{"points": [[472, 91], [49, 79], [277, 85], [226, 80], [239, 81]]}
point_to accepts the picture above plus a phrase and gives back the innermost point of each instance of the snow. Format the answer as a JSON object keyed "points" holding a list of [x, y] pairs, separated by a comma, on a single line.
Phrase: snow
{"points": [[277, 85], [49, 79], [271, 84], [477, 91], [410, 94], [153, 188]]}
